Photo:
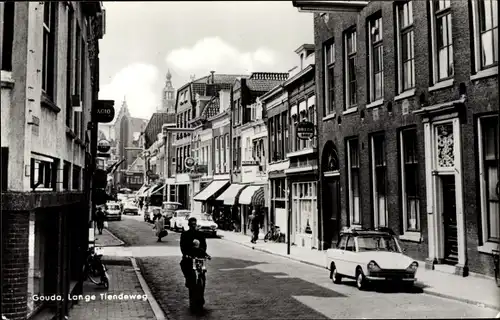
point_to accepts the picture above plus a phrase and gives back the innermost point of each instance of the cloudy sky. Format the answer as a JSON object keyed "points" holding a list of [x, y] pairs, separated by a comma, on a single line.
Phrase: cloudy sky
{"points": [[145, 39]]}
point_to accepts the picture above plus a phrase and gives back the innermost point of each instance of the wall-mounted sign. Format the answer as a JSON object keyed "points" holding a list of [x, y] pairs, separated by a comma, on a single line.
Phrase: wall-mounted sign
{"points": [[103, 146], [103, 111], [305, 130], [189, 162]]}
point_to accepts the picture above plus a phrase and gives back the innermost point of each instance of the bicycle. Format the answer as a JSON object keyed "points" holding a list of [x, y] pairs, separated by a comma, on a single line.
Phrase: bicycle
{"points": [[197, 287], [95, 270], [274, 234]]}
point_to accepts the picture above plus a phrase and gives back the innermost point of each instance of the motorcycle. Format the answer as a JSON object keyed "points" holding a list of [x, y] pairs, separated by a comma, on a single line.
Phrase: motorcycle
{"points": [[95, 270], [197, 288]]}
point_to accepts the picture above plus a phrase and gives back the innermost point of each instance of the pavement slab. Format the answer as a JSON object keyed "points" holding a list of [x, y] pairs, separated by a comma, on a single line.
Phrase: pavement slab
{"points": [[248, 284]]}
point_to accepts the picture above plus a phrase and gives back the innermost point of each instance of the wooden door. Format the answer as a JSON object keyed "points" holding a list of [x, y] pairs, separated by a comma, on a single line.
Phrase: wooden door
{"points": [[449, 219]]}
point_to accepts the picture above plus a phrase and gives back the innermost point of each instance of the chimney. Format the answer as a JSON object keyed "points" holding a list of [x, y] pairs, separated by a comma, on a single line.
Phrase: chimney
{"points": [[213, 77]]}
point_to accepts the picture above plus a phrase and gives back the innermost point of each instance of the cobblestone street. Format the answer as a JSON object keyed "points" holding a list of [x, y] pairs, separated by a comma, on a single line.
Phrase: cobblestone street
{"points": [[247, 284]]}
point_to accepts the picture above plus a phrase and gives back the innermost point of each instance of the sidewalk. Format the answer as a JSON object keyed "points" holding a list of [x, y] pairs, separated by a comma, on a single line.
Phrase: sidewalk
{"points": [[127, 298], [107, 239], [473, 290]]}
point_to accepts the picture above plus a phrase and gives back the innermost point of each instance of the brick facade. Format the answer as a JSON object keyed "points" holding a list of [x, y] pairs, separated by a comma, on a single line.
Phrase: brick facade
{"points": [[396, 113]]}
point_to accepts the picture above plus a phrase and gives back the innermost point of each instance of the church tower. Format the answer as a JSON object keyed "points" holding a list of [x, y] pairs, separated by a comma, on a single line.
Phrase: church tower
{"points": [[168, 96]]}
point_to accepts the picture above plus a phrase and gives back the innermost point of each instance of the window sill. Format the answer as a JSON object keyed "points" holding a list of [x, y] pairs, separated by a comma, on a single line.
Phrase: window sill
{"points": [[70, 133], [351, 110], [486, 73], [331, 116], [7, 81], [411, 236], [406, 94], [375, 104], [442, 85], [488, 247], [46, 102]]}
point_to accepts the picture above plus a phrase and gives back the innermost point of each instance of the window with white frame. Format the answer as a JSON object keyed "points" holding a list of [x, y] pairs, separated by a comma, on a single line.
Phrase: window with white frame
{"points": [[485, 22], [217, 154], [350, 48], [248, 150], [353, 181], [405, 41], [329, 77], [375, 58], [379, 176], [49, 54], [409, 180], [442, 41], [226, 165], [488, 171], [43, 173]]}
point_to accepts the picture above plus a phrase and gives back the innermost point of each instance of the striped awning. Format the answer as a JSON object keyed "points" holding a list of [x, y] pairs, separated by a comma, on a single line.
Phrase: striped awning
{"points": [[230, 195], [144, 192], [210, 190], [155, 189], [253, 195]]}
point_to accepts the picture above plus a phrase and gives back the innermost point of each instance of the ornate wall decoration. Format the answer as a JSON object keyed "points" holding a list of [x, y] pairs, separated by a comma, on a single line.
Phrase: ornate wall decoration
{"points": [[445, 145]]}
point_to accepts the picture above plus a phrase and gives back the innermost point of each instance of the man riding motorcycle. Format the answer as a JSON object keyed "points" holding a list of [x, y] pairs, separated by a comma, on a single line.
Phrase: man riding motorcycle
{"points": [[193, 244]]}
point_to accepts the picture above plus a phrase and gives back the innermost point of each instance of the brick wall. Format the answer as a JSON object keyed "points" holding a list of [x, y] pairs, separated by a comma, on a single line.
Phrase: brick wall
{"points": [[15, 229], [482, 97]]}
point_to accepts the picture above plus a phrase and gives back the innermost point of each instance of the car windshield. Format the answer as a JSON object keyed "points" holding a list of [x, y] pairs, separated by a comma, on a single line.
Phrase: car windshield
{"points": [[204, 217], [171, 206], [183, 214], [113, 207], [378, 243]]}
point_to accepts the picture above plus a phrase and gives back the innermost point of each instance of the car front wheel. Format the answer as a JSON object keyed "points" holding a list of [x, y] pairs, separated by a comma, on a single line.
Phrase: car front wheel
{"points": [[361, 282]]}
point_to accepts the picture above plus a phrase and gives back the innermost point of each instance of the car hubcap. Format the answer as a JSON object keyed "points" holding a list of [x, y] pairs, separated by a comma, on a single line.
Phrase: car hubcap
{"points": [[334, 273], [360, 280]]}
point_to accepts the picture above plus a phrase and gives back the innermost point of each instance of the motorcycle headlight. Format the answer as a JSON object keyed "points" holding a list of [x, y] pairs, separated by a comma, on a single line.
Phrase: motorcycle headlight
{"points": [[373, 266], [214, 226], [413, 266]]}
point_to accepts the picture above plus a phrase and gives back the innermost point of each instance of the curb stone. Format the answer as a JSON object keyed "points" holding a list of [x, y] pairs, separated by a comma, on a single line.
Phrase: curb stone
{"points": [[116, 238], [428, 291], [158, 312]]}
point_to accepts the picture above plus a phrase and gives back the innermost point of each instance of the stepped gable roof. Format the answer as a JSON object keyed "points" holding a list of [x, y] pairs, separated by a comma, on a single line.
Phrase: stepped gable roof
{"points": [[265, 81]]}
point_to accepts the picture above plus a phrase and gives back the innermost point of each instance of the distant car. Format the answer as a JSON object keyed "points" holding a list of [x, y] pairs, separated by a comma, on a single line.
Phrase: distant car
{"points": [[205, 223], [167, 210], [370, 256], [177, 219], [130, 208], [112, 211]]}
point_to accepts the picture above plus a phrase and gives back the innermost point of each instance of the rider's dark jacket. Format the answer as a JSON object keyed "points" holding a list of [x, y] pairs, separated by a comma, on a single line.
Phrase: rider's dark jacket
{"points": [[187, 238]]}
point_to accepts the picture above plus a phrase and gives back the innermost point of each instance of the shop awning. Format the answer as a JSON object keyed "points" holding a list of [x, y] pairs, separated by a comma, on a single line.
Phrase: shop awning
{"points": [[229, 196], [156, 189], [141, 190], [210, 190], [144, 192], [253, 195]]}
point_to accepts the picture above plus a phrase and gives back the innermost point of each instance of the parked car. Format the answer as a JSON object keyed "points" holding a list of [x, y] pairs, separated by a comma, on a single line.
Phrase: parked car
{"points": [[205, 223], [130, 207], [112, 211], [369, 255], [167, 210], [177, 219]]}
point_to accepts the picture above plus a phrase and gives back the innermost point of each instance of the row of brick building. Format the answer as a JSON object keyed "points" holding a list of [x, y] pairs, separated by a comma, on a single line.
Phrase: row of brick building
{"points": [[406, 133]]}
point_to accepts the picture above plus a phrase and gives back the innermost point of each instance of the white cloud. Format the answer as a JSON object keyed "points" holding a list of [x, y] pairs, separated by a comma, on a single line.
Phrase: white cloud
{"points": [[136, 82], [215, 54]]}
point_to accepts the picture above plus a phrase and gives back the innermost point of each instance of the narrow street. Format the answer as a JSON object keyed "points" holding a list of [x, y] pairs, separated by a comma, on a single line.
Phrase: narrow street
{"points": [[247, 284]]}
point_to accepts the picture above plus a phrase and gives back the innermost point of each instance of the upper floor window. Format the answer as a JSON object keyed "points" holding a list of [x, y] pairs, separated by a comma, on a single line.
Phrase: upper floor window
{"points": [[353, 181], [49, 54], [43, 173], [329, 78], [442, 40], [350, 83], [485, 26], [7, 35], [405, 42], [409, 180], [375, 59]]}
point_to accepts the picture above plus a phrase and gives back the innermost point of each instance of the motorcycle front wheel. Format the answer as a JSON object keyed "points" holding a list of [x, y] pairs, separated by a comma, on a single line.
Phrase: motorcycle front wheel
{"points": [[197, 294]]}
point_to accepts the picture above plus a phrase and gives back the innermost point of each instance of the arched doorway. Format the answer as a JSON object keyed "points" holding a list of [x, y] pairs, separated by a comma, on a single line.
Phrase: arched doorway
{"points": [[330, 175]]}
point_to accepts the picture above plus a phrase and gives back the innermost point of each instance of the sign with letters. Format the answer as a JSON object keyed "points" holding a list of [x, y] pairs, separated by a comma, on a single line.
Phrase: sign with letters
{"points": [[305, 130], [103, 111], [103, 146], [189, 162]]}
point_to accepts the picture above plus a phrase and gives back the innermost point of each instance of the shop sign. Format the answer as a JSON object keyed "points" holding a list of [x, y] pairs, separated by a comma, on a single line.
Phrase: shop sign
{"points": [[189, 162], [103, 146], [103, 111], [305, 130]]}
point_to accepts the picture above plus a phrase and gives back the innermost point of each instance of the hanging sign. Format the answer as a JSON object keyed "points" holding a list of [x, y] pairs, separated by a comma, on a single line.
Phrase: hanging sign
{"points": [[103, 111], [189, 162], [103, 146], [305, 130]]}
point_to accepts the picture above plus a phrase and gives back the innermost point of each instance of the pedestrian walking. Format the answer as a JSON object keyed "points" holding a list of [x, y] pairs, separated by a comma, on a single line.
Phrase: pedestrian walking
{"points": [[159, 227], [99, 218], [254, 226]]}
